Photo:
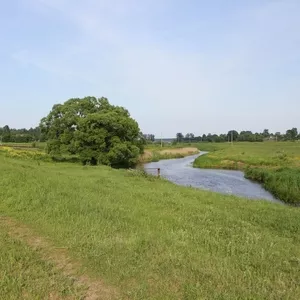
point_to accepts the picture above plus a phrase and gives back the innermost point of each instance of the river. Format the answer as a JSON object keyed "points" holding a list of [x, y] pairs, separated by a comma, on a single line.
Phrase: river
{"points": [[181, 172]]}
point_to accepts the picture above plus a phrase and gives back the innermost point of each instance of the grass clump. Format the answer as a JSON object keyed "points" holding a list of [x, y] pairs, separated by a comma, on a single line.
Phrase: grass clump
{"points": [[154, 240]]}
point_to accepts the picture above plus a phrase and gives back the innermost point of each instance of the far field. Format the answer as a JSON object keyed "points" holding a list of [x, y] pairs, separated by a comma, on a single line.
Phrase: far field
{"points": [[157, 153], [242, 154], [137, 237]]}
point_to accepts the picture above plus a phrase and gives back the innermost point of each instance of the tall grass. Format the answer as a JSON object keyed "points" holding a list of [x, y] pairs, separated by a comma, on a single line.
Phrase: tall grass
{"points": [[156, 156], [155, 240], [283, 183], [153, 154]]}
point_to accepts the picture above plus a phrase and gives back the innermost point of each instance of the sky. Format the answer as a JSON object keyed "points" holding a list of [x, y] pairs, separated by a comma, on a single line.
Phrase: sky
{"points": [[176, 65]]}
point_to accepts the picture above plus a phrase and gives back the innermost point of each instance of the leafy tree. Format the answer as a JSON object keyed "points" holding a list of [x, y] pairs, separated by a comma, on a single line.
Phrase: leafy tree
{"points": [[246, 136], [97, 131], [6, 134], [222, 138], [189, 137], [179, 137], [149, 137], [266, 133], [292, 134], [232, 135]]}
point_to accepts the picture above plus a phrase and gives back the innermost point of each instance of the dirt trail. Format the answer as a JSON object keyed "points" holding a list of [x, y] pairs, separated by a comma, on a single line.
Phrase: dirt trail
{"points": [[96, 289]]}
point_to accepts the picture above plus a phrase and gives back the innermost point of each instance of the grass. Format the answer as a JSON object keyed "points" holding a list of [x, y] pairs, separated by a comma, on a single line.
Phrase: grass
{"points": [[283, 183], [240, 155], [152, 239], [275, 165], [25, 275]]}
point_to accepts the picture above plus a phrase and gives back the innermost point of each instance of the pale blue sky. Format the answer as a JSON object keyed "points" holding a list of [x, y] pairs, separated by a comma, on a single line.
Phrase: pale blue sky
{"points": [[178, 66]]}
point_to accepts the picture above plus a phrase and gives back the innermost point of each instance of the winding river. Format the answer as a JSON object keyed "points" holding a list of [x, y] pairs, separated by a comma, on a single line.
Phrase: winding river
{"points": [[181, 172]]}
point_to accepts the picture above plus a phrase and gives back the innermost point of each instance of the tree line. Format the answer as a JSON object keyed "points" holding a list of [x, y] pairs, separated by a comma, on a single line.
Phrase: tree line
{"points": [[243, 136], [23, 135], [232, 135]]}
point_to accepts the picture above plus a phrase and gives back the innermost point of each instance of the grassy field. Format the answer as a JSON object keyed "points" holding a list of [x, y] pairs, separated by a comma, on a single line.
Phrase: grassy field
{"points": [[240, 155], [145, 237], [275, 165]]}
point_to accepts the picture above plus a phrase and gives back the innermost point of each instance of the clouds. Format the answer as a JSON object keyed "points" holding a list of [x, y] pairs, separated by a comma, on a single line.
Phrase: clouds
{"points": [[176, 65]]}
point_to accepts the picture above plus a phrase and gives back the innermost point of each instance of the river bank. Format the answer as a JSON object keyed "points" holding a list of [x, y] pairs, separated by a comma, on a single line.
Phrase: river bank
{"points": [[275, 165]]}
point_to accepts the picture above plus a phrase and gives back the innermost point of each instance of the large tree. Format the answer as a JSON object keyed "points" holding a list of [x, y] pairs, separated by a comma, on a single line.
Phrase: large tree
{"points": [[266, 133], [6, 134], [292, 134], [97, 131], [232, 135], [179, 137]]}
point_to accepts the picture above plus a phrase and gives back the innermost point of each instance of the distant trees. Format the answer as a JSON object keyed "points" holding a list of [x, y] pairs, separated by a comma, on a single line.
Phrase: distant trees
{"points": [[189, 137], [6, 134], [246, 136], [97, 131], [11, 135], [277, 136], [292, 134], [179, 137], [23, 135], [243, 136], [149, 137]]}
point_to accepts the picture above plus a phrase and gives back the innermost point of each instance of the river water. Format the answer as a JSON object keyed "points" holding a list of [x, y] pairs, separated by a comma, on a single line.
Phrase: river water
{"points": [[181, 172]]}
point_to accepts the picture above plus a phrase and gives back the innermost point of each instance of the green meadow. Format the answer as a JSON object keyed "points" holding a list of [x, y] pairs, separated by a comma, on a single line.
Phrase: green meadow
{"points": [[143, 237]]}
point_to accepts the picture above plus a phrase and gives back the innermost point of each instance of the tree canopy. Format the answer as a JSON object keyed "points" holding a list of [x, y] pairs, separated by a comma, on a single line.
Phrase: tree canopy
{"points": [[97, 131]]}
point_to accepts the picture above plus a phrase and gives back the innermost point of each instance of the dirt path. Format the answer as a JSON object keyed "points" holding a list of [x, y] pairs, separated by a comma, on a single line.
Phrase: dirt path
{"points": [[95, 289]]}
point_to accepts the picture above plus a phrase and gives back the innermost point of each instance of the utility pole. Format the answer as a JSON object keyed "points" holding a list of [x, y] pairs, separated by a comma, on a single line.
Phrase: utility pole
{"points": [[161, 144], [231, 137]]}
